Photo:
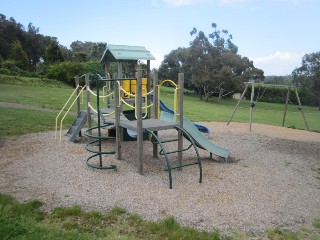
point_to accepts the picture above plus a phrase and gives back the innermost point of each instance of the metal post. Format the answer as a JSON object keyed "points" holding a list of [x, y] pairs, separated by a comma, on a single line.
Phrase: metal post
{"points": [[180, 111], [99, 121], [117, 119], [76, 78], [286, 107], [301, 109], [155, 110], [139, 122], [107, 73], [87, 80], [236, 107], [148, 88], [251, 105]]}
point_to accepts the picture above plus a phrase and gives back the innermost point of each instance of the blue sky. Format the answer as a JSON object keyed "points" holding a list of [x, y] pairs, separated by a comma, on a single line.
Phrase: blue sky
{"points": [[275, 34]]}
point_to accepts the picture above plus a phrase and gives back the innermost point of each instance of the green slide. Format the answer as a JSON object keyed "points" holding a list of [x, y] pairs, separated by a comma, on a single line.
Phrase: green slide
{"points": [[201, 140]]}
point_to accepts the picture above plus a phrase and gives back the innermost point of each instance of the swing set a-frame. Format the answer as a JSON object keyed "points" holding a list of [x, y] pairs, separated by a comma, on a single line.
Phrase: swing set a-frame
{"points": [[253, 103]]}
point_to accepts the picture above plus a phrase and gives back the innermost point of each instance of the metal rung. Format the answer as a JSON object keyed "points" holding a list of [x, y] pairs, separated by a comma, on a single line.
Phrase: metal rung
{"points": [[181, 166]]}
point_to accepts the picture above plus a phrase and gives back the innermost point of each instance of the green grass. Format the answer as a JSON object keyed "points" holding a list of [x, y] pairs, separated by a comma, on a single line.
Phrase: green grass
{"points": [[266, 113], [26, 81], [16, 122], [27, 221], [54, 96]]}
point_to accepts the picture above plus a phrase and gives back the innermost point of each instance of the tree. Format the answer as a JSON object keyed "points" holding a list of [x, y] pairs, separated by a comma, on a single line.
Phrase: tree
{"points": [[216, 67], [211, 64], [10, 31], [18, 55], [35, 45], [307, 76], [172, 64], [92, 50], [53, 53]]}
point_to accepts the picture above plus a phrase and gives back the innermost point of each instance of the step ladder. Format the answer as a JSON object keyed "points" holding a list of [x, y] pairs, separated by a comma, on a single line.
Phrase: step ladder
{"points": [[77, 125]]}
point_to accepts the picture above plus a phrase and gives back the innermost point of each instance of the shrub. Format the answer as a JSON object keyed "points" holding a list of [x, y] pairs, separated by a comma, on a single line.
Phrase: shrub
{"points": [[65, 71], [94, 67]]}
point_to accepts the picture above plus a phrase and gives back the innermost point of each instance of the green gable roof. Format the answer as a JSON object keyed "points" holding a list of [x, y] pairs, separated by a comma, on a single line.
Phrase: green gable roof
{"points": [[114, 53]]}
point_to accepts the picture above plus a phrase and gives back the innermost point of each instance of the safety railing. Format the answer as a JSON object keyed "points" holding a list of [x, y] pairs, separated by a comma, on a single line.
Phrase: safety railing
{"points": [[104, 96], [144, 95], [175, 98], [78, 88]]}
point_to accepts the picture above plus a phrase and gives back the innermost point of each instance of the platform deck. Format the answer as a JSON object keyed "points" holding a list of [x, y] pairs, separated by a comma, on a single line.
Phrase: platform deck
{"points": [[151, 124]]}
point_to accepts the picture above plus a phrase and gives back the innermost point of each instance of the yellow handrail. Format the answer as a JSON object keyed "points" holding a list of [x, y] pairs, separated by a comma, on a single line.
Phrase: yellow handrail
{"points": [[103, 96], [55, 136], [130, 106], [128, 93], [175, 98], [145, 107], [92, 108], [108, 114], [69, 110]]}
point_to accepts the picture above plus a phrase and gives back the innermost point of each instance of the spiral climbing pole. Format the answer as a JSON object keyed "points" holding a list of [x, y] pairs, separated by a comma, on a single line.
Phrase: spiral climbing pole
{"points": [[98, 138]]}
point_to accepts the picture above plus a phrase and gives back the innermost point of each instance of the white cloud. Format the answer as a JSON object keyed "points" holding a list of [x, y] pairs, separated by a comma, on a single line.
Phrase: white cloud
{"points": [[278, 63]]}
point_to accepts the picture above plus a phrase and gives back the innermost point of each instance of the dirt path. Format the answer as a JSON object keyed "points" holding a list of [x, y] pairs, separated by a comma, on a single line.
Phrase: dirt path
{"points": [[26, 106]]}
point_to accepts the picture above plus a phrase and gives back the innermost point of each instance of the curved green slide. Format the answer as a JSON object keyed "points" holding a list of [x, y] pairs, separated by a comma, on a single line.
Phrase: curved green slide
{"points": [[201, 140]]}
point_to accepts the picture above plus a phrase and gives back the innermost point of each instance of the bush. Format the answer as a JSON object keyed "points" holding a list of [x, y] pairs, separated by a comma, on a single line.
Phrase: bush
{"points": [[9, 67], [94, 67], [65, 71]]}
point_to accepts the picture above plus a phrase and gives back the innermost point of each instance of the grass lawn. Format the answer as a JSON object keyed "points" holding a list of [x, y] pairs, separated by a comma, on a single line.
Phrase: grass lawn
{"points": [[267, 113], [15, 121], [27, 221]]}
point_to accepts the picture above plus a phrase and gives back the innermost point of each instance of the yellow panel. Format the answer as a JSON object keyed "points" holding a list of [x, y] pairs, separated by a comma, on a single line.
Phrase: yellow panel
{"points": [[144, 86], [126, 86], [144, 81]]}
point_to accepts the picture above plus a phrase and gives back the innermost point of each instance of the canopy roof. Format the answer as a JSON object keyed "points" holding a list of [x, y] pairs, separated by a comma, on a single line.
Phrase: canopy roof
{"points": [[114, 53]]}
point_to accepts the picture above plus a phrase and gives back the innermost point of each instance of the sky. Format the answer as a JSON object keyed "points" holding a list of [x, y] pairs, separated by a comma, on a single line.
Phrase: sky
{"points": [[274, 34]]}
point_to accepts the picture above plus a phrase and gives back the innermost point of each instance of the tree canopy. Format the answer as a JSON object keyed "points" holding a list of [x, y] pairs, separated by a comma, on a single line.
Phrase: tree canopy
{"points": [[211, 64], [307, 76]]}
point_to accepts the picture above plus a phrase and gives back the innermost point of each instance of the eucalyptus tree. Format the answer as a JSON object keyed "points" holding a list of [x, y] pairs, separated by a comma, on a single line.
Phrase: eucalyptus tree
{"points": [[211, 64], [216, 66], [307, 76]]}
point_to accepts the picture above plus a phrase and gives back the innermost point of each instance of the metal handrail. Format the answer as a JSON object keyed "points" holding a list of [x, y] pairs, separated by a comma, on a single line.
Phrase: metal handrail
{"points": [[56, 128], [69, 110], [175, 98]]}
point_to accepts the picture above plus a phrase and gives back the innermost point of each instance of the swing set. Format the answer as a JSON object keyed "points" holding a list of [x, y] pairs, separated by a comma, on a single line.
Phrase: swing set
{"points": [[259, 96]]}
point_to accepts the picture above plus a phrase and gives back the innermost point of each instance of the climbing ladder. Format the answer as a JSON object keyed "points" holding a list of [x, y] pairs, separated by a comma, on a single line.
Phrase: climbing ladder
{"points": [[165, 153]]}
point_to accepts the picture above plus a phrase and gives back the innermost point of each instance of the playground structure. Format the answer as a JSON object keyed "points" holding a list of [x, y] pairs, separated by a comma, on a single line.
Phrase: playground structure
{"points": [[253, 103], [137, 96]]}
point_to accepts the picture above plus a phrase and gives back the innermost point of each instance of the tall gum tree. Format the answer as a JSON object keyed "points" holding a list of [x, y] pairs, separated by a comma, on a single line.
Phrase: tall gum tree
{"points": [[307, 76]]}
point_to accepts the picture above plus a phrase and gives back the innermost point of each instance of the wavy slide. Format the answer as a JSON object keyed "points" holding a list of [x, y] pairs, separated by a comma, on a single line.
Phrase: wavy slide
{"points": [[201, 128], [201, 140]]}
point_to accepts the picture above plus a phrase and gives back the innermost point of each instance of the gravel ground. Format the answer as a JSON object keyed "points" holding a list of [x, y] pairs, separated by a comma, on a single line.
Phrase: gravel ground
{"points": [[270, 179]]}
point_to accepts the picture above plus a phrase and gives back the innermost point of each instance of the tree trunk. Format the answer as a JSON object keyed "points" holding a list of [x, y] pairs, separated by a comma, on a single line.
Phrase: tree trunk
{"points": [[220, 93]]}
